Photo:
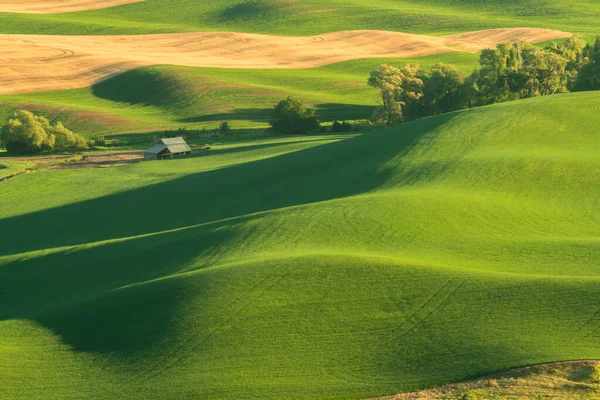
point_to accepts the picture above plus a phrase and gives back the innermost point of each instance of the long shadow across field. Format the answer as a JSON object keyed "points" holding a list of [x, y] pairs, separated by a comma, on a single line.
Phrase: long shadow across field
{"points": [[325, 172]]}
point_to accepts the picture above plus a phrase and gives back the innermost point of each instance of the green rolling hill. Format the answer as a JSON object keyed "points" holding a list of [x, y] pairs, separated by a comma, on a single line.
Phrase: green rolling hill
{"points": [[307, 17], [310, 267]]}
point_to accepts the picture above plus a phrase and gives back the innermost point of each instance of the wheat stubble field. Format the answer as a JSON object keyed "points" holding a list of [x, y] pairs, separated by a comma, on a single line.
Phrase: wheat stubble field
{"points": [[32, 63], [382, 262], [58, 6]]}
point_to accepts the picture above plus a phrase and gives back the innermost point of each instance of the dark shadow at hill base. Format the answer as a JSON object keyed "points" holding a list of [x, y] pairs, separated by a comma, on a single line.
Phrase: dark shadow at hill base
{"points": [[328, 112]]}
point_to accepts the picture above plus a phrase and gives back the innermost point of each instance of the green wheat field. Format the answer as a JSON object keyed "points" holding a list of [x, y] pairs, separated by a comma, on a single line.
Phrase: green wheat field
{"points": [[326, 266]]}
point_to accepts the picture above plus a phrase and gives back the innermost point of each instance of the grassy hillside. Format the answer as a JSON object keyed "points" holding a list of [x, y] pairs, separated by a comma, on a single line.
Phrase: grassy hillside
{"points": [[310, 267], [166, 97], [300, 17]]}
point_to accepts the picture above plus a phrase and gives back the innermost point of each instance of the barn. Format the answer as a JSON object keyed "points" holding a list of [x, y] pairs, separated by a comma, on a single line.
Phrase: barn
{"points": [[167, 148]]}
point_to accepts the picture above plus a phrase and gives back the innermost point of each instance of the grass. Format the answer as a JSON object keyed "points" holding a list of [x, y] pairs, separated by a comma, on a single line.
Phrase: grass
{"points": [[166, 97], [558, 381], [307, 17], [344, 266], [10, 168]]}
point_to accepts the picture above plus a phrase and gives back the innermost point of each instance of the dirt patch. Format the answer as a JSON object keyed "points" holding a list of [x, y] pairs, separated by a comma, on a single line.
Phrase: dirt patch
{"points": [[105, 160], [32, 63], [98, 160], [58, 6]]}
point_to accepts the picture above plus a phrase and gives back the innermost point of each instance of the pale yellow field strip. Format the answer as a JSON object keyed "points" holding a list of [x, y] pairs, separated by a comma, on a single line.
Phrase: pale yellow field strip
{"points": [[30, 63], [58, 6]]}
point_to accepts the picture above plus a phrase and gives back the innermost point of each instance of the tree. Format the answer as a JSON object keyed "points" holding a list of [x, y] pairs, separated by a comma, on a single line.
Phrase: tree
{"points": [[589, 76], [401, 89], [388, 80], [546, 74], [28, 133], [442, 89], [224, 128], [292, 116], [65, 139], [490, 83], [573, 50]]}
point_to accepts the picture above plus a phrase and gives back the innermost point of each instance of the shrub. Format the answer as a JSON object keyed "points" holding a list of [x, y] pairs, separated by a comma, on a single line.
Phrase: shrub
{"points": [[292, 116], [339, 127], [224, 128], [28, 133], [100, 141]]}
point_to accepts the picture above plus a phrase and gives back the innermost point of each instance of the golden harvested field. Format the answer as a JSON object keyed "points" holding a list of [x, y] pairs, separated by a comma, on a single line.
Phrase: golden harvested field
{"points": [[58, 6], [30, 63]]}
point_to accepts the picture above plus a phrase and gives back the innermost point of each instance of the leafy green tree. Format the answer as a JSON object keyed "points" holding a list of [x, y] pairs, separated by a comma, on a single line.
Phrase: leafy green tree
{"points": [[65, 139], [490, 85], [292, 116], [589, 76], [401, 89], [28, 133], [225, 128], [573, 49], [388, 80], [546, 74], [443, 89]]}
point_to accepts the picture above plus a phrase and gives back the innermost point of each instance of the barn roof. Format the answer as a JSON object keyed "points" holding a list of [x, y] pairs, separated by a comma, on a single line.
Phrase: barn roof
{"points": [[157, 148], [176, 145], [175, 140]]}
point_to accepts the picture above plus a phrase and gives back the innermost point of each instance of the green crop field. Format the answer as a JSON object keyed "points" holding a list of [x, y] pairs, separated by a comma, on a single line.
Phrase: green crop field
{"points": [[310, 267], [321, 266], [308, 17]]}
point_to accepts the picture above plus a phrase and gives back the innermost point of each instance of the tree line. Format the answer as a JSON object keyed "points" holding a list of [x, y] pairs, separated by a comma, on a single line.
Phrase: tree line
{"points": [[511, 71], [27, 133]]}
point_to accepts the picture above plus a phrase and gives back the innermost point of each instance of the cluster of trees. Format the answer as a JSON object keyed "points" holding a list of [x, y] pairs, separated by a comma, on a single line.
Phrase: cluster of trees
{"points": [[341, 127], [292, 116], [510, 71], [26, 133]]}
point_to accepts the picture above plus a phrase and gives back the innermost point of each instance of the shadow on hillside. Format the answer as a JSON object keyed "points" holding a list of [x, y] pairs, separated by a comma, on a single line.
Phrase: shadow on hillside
{"points": [[328, 112], [319, 173], [146, 86], [250, 10], [86, 295], [256, 147], [96, 299]]}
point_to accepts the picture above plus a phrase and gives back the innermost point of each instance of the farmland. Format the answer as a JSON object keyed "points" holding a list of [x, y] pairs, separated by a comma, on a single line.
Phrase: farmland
{"points": [[378, 262], [447, 248]]}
